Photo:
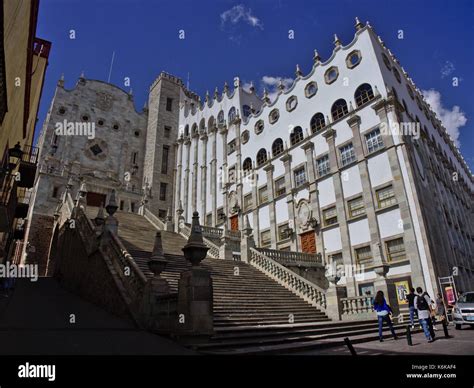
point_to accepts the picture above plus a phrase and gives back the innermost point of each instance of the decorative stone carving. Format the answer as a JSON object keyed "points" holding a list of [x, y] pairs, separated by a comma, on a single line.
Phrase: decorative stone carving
{"points": [[304, 214], [104, 101]]}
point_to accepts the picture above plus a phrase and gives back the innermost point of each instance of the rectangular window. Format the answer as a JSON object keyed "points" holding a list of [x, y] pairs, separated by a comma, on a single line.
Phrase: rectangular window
{"points": [[300, 176], [167, 132], [231, 147], [132, 207], [347, 154], [330, 216], [282, 234], [162, 214], [169, 104], [220, 216], [323, 165], [209, 219], [385, 197], [363, 254], [163, 187], [356, 207], [395, 249], [266, 238], [122, 204], [248, 203], [280, 187], [374, 140], [262, 195], [164, 159], [55, 192], [134, 157], [232, 176]]}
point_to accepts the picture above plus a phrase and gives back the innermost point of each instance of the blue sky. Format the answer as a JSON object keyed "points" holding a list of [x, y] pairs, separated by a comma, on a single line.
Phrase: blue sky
{"points": [[249, 39]]}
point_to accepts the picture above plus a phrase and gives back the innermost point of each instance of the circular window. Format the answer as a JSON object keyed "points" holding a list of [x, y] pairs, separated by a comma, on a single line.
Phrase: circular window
{"points": [[259, 127], [62, 110], [331, 75], [274, 116], [116, 126], [137, 133], [353, 59], [100, 122], [310, 89], [291, 103], [245, 136], [85, 118]]}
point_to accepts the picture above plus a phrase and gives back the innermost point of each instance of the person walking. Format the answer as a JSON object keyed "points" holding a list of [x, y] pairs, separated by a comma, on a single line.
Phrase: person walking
{"points": [[383, 311], [422, 303], [411, 306], [440, 308]]}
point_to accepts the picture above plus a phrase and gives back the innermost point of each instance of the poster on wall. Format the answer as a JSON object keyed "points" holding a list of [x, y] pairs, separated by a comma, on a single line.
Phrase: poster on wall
{"points": [[450, 295], [402, 288]]}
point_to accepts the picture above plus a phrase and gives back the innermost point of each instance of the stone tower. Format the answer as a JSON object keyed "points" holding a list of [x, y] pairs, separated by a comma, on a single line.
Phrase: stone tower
{"points": [[162, 133]]}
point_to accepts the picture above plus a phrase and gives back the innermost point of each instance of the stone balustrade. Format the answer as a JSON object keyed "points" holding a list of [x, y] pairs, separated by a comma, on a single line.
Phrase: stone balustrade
{"points": [[292, 258], [357, 307], [287, 278], [185, 231], [154, 220], [211, 232]]}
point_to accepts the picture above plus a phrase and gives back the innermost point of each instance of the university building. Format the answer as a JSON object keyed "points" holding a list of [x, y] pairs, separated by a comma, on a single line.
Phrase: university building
{"points": [[349, 163]]}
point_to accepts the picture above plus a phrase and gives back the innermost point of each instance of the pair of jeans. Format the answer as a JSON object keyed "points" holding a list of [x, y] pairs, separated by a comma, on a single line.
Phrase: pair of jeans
{"points": [[425, 323], [388, 321], [412, 315]]}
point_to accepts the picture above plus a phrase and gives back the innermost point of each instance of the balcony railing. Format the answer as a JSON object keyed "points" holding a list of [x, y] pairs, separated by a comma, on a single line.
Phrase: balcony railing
{"points": [[356, 305], [292, 258]]}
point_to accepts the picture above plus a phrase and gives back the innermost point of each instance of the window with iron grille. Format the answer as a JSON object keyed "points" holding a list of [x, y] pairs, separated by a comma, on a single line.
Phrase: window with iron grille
{"points": [[317, 122], [363, 254], [261, 157], [356, 207], [395, 249], [385, 197], [265, 238], [296, 136], [300, 176], [277, 147], [231, 146], [280, 187], [262, 195], [339, 109], [347, 154], [282, 234], [363, 94], [323, 165], [247, 165], [330, 216], [163, 187], [374, 140]]}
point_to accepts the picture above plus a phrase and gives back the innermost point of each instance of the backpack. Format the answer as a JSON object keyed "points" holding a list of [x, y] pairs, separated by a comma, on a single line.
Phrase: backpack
{"points": [[421, 303]]}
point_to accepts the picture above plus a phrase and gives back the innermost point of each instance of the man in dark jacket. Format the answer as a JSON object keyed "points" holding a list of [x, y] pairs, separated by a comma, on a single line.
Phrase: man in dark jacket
{"points": [[411, 306]]}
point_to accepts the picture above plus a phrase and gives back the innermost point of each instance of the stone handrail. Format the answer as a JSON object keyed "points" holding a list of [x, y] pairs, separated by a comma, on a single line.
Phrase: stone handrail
{"points": [[291, 258], [213, 251], [357, 305], [235, 234], [210, 231], [154, 220], [287, 278]]}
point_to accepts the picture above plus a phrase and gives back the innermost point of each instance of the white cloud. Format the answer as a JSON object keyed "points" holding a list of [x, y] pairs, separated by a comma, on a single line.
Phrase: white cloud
{"points": [[452, 119], [239, 13], [271, 83]]}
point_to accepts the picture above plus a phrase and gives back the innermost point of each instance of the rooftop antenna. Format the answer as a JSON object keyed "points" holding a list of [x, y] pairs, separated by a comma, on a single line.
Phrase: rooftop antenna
{"points": [[111, 64]]}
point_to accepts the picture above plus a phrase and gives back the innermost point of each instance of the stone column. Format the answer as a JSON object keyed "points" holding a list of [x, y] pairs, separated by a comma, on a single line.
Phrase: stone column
{"points": [[246, 242], [225, 250], [239, 172], [255, 212], [308, 148], [269, 168], [194, 188], [223, 131], [204, 177], [213, 187], [330, 136], [286, 159], [187, 143], [178, 187]]}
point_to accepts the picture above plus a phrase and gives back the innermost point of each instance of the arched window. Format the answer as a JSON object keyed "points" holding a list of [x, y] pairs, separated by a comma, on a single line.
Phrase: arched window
{"points": [[247, 165], [194, 129], [202, 124], [339, 109], [317, 122], [277, 147], [211, 122], [296, 135], [220, 117], [231, 115], [186, 130], [261, 156], [363, 94]]}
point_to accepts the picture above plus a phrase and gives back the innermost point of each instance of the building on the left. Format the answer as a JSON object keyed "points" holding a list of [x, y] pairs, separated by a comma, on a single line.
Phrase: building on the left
{"points": [[23, 62]]}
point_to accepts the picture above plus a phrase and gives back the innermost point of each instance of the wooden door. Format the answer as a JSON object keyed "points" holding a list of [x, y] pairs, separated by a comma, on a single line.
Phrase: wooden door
{"points": [[234, 223], [308, 242]]}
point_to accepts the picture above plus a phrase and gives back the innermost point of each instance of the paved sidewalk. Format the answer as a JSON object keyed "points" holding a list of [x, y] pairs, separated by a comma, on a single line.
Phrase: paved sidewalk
{"points": [[35, 319], [460, 343]]}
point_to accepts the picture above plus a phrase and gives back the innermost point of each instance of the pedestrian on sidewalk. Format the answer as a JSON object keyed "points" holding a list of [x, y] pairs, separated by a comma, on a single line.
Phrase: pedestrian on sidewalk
{"points": [[411, 306], [383, 311], [423, 307], [440, 308]]}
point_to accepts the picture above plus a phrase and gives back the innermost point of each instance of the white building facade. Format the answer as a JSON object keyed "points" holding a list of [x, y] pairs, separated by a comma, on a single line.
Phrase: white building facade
{"points": [[349, 162]]}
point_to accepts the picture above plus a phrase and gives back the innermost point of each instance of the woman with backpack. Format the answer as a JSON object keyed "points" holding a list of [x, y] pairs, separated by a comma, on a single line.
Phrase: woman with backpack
{"points": [[383, 311]]}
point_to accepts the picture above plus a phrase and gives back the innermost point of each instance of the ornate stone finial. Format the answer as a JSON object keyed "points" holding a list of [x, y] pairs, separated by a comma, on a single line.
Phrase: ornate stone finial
{"points": [[207, 96], [316, 57], [252, 108], [180, 210], [265, 96], [298, 71], [281, 87], [247, 228], [169, 217], [195, 250], [82, 74], [368, 24], [70, 183], [216, 93], [111, 207], [252, 87], [376, 91], [358, 24], [100, 217], [157, 262], [236, 82], [130, 93], [226, 87], [337, 41], [327, 120], [61, 80], [351, 108]]}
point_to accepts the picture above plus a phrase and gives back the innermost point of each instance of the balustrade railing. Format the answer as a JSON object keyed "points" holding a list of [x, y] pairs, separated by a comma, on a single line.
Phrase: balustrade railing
{"points": [[291, 258], [357, 305], [295, 283], [185, 231], [154, 219], [211, 232]]}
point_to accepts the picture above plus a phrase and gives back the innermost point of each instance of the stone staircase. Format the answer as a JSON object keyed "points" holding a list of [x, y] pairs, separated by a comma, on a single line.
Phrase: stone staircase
{"points": [[253, 314]]}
